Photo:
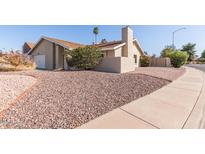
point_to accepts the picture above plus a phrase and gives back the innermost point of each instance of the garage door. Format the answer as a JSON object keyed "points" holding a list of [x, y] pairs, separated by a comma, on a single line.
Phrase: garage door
{"points": [[40, 61]]}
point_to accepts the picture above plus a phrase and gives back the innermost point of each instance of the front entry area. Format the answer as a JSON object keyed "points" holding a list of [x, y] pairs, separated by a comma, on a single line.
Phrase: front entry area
{"points": [[59, 57]]}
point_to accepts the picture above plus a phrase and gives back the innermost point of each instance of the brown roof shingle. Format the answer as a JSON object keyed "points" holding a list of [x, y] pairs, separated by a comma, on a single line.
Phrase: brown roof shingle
{"points": [[64, 43], [73, 45], [111, 44]]}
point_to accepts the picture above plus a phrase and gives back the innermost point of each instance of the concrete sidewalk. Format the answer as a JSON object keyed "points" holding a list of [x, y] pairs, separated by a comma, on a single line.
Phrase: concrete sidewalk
{"points": [[180, 104]]}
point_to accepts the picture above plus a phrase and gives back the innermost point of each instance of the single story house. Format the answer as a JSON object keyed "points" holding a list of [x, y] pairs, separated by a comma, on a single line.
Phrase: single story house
{"points": [[118, 56]]}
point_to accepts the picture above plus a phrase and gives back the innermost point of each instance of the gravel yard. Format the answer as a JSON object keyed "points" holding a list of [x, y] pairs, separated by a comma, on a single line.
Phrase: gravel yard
{"points": [[12, 86], [168, 73], [70, 99]]}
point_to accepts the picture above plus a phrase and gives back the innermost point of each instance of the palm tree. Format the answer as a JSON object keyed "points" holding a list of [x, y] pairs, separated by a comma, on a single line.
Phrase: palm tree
{"points": [[95, 32]]}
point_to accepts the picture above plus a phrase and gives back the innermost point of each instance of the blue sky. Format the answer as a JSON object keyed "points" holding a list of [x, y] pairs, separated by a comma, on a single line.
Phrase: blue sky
{"points": [[152, 38]]}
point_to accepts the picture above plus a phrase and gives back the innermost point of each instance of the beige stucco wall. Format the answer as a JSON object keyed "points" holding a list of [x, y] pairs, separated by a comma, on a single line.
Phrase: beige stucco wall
{"points": [[116, 65], [127, 37], [109, 64], [115, 62], [130, 49], [45, 48], [136, 52], [126, 65], [109, 53], [113, 53], [118, 52]]}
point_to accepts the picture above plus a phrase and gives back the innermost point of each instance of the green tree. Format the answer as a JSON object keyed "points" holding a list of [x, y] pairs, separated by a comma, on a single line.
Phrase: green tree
{"points": [[178, 58], [84, 58], [95, 32], [167, 51], [190, 49], [203, 54]]}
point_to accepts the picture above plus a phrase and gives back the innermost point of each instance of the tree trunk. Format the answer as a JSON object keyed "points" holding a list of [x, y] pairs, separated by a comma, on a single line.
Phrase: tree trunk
{"points": [[95, 38]]}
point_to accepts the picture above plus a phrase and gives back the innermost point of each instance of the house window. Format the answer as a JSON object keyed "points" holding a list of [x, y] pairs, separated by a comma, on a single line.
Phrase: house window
{"points": [[135, 57]]}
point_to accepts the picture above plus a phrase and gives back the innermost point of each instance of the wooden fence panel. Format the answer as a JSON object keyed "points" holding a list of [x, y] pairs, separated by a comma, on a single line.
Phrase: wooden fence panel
{"points": [[160, 62]]}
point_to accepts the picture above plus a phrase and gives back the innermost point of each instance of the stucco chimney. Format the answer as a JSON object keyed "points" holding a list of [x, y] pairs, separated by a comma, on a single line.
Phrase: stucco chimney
{"points": [[127, 37]]}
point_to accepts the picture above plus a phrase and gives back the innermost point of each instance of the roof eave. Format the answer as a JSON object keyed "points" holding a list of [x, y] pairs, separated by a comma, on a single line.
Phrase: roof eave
{"points": [[49, 41], [139, 46], [57, 43], [114, 48]]}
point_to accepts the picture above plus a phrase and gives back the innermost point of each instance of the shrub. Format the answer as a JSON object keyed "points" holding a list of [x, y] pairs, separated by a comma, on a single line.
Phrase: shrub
{"points": [[84, 57], [14, 59], [26, 61], [15, 62], [144, 61], [178, 58]]}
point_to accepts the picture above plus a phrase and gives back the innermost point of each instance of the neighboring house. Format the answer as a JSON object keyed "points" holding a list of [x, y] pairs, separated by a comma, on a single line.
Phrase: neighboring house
{"points": [[27, 47], [118, 56]]}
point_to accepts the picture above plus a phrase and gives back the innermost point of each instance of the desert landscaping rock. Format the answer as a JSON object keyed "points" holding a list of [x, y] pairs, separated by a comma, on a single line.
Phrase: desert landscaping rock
{"points": [[11, 86], [70, 99], [168, 73]]}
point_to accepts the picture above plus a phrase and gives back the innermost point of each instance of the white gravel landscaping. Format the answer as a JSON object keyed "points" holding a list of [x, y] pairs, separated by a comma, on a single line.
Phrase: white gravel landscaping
{"points": [[11, 86]]}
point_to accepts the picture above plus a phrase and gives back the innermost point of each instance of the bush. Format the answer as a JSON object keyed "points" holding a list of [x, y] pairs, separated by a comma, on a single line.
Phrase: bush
{"points": [[84, 57], [178, 58], [144, 61], [15, 61]]}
